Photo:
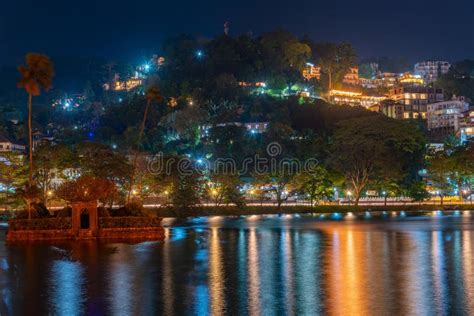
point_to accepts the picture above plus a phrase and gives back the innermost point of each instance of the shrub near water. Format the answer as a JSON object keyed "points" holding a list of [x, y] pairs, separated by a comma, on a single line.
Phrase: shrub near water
{"points": [[40, 224], [129, 222]]}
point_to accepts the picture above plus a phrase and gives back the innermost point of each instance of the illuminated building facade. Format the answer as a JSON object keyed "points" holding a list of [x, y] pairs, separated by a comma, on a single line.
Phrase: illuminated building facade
{"points": [[392, 109], [410, 79], [352, 77], [466, 126], [312, 72], [430, 70], [8, 145], [354, 98], [444, 117], [415, 99]]}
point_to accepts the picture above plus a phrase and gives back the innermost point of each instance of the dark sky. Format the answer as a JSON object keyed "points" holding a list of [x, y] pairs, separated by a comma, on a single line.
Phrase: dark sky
{"points": [[133, 29]]}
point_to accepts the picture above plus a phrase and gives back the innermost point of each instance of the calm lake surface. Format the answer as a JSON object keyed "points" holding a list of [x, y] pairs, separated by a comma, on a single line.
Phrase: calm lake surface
{"points": [[254, 265]]}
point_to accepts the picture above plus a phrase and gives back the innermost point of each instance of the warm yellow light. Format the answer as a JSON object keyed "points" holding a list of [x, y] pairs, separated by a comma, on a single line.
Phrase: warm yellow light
{"points": [[346, 93]]}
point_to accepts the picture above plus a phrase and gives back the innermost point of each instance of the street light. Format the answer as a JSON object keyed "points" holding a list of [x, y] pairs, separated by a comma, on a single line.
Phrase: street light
{"points": [[349, 194]]}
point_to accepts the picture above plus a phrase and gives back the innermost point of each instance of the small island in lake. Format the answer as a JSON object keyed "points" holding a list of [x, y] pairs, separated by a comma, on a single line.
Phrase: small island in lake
{"points": [[83, 219]]}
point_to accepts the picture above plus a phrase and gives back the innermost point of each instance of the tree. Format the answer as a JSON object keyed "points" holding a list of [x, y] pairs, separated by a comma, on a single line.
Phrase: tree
{"points": [[315, 183], [375, 147], [335, 60], [459, 80], [100, 161], [278, 182], [152, 95], [284, 55], [51, 162], [87, 189], [13, 175], [36, 75], [461, 166], [30, 194], [186, 190], [439, 170], [223, 188], [417, 191]]}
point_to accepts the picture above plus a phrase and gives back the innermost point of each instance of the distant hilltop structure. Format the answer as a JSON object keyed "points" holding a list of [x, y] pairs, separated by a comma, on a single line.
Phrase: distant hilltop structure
{"points": [[430, 70], [226, 27]]}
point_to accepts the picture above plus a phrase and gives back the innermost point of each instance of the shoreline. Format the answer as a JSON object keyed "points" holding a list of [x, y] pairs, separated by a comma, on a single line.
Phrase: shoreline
{"points": [[208, 211]]}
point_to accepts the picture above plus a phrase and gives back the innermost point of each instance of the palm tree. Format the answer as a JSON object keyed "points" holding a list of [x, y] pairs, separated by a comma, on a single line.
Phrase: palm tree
{"points": [[36, 75], [152, 95]]}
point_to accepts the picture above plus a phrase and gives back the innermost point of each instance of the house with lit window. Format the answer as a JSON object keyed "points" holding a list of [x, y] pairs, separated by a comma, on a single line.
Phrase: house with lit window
{"points": [[8, 145], [444, 117], [352, 76], [415, 99], [312, 72], [466, 126]]}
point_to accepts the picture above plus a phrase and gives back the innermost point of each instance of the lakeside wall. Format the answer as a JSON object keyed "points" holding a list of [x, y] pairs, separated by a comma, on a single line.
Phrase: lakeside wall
{"points": [[300, 209], [110, 228]]}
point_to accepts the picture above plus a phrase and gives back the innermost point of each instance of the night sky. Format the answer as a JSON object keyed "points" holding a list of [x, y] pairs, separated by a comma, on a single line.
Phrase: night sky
{"points": [[135, 29]]}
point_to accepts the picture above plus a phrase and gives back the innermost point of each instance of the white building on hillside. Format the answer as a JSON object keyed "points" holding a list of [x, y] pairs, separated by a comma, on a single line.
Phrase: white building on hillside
{"points": [[430, 70], [445, 116], [466, 126], [7, 145]]}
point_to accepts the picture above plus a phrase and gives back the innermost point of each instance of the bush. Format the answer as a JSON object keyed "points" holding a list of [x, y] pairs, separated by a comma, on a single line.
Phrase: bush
{"points": [[41, 210], [40, 224], [103, 212], [24, 214], [65, 212], [134, 208]]}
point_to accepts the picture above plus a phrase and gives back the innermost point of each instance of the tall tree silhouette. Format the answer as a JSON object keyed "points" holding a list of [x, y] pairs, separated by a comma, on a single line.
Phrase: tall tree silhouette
{"points": [[152, 95], [36, 75]]}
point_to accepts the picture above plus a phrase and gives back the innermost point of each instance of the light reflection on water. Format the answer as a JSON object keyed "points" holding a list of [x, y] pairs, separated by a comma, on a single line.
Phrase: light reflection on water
{"points": [[262, 266]]}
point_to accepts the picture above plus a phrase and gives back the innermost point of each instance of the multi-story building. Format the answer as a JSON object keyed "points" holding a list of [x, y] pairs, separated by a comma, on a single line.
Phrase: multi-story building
{"points": [[466, 126], [354, 98], [312, 72], [430, 70], [410, 79], [8, 145], [352, 77], [444, 117], [415, 99], [389, 80], [392, 109], [124, 85]]}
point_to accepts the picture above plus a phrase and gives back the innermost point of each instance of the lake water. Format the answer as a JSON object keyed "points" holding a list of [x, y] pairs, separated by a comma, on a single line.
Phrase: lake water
{"points": [[253, 265]]}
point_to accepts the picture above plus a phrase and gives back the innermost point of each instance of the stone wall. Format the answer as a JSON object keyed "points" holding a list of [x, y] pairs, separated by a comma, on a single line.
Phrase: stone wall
{"points": [[141, 233], [36, 235], [120, 228]]}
